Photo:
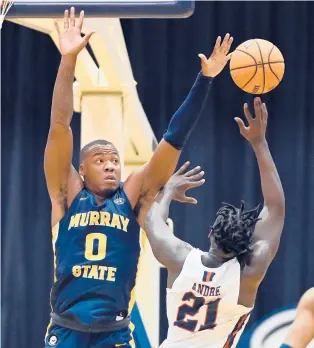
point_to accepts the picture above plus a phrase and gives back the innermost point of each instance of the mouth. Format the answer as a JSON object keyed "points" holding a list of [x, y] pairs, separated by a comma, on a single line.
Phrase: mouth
{"points": [[110, 178]]}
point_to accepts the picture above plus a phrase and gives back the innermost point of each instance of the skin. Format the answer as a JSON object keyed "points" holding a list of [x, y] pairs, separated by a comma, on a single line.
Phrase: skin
{"points": [[301, 332], [101, 167], [172, 252]]}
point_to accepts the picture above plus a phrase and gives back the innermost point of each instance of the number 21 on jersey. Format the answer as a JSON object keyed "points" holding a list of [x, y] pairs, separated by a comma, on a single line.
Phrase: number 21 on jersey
{"points": [[201, 313]]}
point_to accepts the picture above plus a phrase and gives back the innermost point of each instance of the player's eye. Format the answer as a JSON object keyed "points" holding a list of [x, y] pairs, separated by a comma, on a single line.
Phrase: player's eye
{"points": [[116, 161], [98, 160]]}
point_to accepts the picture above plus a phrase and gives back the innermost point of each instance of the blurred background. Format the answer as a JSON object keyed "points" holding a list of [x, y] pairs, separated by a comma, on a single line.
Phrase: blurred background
{"points": [[163, 55]]}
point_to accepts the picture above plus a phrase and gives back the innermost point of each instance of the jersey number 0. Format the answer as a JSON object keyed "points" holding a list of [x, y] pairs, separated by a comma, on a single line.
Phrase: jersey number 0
{"points": [[90, 246], [192, 310]]}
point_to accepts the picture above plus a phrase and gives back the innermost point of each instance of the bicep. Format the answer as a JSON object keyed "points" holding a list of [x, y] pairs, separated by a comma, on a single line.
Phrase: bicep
{"points": [[57, 164], [142, 186], [269, 228], [160, 168], [266, 239]]}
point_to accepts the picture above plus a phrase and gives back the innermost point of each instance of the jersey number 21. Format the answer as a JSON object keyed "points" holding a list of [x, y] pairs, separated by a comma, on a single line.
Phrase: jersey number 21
{"points": [[192, 310]]}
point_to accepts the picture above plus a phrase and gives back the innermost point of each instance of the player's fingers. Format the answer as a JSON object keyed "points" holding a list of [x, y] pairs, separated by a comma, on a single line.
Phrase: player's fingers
{"points": [[247, 113], [80, 21], [265, 112], [217, 44], [203, 58], [258, 109], [183, 168], [228, 45], [197, 183], [240, 124], [57, 26], [189, 200], [197, 176], [88, 36], [72, 17], [192, 171], [224, 45], [66, 19]]}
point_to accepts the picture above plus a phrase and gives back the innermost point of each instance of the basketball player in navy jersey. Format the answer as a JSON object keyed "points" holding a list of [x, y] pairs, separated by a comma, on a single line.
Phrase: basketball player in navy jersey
{"points": [[301, 333], [96, 221], [210, 295]]}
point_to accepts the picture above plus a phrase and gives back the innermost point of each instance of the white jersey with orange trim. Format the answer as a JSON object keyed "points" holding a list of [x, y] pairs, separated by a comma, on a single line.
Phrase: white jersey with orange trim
{"points": [[202, 306]]}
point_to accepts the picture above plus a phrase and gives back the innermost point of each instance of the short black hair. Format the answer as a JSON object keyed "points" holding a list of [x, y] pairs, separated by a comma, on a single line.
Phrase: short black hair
{"points": [[88, 146], [234, 228]]}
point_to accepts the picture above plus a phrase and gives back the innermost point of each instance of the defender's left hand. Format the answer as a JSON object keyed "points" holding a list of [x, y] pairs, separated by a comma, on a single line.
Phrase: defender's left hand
{"points": [[181, 181], [214, 65]]}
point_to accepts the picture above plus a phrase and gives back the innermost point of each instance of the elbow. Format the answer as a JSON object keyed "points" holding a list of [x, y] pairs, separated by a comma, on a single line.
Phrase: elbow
{"points": [[277, 210], [277, 206]]}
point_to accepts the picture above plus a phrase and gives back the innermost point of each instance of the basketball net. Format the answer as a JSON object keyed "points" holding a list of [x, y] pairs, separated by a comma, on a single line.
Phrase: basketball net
{"points": [[5, 5]]}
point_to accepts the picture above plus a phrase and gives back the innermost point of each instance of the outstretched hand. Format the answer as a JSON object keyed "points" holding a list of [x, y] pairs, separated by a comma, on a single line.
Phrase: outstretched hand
{"points": [[212, 66], [70, 39], [257, 126], [181, 181]]}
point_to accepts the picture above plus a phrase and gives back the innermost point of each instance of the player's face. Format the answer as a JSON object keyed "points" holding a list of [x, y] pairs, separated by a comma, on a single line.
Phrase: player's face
{"points": [[101, 169]]}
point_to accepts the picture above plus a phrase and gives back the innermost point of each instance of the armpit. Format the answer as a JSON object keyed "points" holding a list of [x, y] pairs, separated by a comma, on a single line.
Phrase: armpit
{"points": [[144, 200], [63, 191]]}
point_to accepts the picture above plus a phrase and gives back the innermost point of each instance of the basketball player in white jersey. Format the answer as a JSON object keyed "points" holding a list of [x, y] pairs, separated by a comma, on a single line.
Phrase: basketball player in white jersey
{"points": [[210, 295]]}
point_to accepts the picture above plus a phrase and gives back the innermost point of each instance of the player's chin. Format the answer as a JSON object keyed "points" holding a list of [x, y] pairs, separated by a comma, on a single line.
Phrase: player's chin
{"points": [[110, 185]]}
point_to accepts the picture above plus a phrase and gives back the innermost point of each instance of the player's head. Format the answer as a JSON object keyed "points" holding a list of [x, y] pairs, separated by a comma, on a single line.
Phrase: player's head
{"points": [[100, 166], [233, 229]]}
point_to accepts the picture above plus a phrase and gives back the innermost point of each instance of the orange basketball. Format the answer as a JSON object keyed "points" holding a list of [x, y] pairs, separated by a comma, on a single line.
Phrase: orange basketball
{"points": [[257, 66]]}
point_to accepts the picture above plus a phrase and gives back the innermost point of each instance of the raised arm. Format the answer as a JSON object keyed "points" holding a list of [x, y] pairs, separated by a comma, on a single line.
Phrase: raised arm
{"points": [[268, 230], [167, 248], [142, 186], [63, 181]]}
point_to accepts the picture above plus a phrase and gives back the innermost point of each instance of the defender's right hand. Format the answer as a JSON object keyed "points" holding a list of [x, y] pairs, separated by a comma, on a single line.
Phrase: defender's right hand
{"points": [[256, 131], [70, 40], [181, 181]]}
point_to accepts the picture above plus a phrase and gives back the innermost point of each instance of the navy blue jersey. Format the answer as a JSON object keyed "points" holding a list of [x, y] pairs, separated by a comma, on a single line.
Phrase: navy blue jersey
{"points": [[96, 257]]}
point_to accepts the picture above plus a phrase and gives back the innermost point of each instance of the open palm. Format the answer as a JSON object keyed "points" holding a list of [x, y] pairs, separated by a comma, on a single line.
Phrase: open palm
{"points": [[182, 181], [70, 40], [212, 66]]}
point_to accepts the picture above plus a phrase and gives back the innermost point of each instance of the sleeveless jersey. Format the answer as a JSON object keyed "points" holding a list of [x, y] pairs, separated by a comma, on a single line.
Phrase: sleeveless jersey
{"points": [[202, 306], [96, 257]]}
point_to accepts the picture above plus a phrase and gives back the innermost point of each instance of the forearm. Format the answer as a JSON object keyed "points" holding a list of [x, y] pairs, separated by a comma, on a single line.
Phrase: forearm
{"points": [[270, 181], [162, 203], [62, 100], [184, 120]]}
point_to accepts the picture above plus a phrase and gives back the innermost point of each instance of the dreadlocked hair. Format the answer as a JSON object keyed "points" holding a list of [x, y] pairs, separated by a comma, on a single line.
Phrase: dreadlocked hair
{"points": [[233, 229]]}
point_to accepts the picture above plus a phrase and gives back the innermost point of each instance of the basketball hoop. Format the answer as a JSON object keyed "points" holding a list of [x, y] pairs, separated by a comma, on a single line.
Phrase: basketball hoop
{"points": [[5, 5]]}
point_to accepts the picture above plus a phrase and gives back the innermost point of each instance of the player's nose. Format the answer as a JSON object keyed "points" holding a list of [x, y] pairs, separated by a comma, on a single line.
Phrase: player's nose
{"points": [[109, 167]]}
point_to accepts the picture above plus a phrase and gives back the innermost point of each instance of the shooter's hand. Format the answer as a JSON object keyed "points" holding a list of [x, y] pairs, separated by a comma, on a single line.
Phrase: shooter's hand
{"points": [[180, 182], [212, 66], [70, 39], [256, 130]]}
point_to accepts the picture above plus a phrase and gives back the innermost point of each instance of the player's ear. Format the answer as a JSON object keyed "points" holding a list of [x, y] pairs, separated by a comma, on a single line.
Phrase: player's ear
{"points": [[82, 170]]}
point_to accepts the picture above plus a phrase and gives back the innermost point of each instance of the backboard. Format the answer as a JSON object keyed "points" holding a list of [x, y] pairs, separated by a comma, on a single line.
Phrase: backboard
{"points": [[104, 8]]}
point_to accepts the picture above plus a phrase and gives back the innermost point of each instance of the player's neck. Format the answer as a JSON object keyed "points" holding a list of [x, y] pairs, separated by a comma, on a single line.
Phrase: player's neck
{"points": [[100, 197], [219, 255]]}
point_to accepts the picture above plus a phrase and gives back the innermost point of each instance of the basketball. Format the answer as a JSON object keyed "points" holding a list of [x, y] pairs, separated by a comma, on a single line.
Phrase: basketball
{"points": [[257, 66]]}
